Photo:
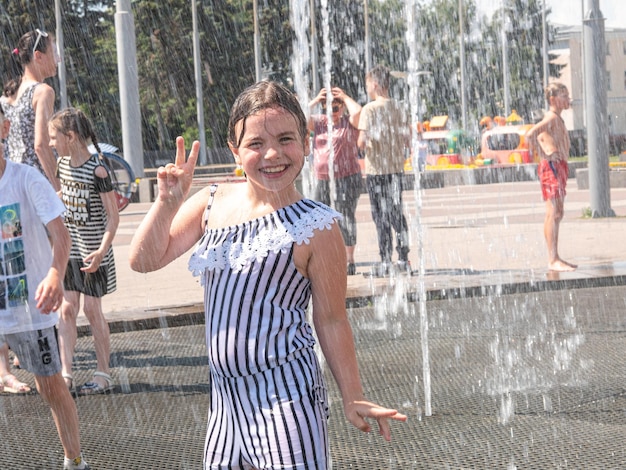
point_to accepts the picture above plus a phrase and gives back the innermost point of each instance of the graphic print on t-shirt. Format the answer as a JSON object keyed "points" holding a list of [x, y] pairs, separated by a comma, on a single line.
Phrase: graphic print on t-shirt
{"points": [[11, 225], [76, 200], [13, 283]]}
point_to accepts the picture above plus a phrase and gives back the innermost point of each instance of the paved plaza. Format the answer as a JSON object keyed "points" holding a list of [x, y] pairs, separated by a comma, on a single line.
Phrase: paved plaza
{"points": [[497, 362]]}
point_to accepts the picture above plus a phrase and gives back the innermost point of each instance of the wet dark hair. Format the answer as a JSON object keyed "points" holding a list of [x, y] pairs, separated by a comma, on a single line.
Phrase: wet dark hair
{"points": [[22, 55], [263, 95], [74, 120], [380, 74]]}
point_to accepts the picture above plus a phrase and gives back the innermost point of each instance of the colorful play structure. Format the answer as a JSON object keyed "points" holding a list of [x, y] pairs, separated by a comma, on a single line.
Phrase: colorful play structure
{"points": [[440, 147], [502, 143]]}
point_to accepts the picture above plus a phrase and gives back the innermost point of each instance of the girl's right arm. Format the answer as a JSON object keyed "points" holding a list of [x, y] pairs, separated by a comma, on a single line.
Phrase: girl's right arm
{"points": [[172, 225]]}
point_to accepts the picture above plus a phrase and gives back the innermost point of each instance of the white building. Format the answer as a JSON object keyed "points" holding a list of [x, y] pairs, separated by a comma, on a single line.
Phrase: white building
{"points": [[568, 48]]}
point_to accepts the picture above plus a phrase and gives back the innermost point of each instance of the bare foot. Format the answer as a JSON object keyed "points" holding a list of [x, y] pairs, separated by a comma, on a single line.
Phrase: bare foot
{"points": [[574, 266], [561, 266], [13, 385]]}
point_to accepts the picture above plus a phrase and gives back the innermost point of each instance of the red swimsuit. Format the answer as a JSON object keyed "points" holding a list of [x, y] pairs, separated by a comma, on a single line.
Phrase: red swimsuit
{"points": [[553, 178]]}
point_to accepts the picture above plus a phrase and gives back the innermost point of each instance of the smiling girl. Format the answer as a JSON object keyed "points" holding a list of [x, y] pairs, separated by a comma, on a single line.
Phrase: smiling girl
{"points": [[263, 252]]}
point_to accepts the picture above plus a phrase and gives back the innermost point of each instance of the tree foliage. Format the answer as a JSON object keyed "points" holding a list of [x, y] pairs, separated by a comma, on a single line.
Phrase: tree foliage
{"points": [[166, 70], [346, 40]]}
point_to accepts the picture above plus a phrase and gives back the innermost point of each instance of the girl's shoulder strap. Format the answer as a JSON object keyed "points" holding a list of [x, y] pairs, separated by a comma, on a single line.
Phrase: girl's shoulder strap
{"points": [[212, 190], [29, 90]]}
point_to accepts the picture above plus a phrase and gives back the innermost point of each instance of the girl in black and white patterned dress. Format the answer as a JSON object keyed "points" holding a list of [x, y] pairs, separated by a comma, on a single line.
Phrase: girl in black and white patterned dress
{"points": [[92, 219]]}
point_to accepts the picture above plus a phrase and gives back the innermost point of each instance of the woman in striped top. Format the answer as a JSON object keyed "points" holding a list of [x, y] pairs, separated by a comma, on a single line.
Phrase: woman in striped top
{"points": [[263, 253], [92, 218]]}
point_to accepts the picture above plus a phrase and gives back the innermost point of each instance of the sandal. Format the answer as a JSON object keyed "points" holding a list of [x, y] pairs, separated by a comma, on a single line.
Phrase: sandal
{"points": [[69, 381], [94, 388], [11, 384]]}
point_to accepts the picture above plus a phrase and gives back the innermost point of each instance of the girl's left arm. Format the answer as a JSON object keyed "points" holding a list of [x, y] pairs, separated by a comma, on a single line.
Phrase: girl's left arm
{"points": [[93, 260], [43, 104], [113, 219], [326, 270]]}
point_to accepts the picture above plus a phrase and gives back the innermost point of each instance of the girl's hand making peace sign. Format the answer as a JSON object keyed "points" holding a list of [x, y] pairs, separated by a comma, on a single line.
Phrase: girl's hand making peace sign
{"points": [[174, 179]]}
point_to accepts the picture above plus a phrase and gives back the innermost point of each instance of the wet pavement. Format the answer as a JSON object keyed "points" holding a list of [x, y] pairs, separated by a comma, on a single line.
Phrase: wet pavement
{"points": [[525, 366]]}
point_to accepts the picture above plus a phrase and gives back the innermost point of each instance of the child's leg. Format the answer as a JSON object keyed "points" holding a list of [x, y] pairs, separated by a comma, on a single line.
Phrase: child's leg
{"points": [[54, 392], [8, 382], [554, 215], [39, 351], [4, 363], [282, 415], [4, 360], [67, 331], [550, 230], [101, 335], [222, 445]]}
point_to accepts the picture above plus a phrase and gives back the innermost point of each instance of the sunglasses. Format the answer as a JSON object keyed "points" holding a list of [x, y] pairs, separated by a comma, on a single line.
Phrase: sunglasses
{"points": [[335, 107], [40, 34]]}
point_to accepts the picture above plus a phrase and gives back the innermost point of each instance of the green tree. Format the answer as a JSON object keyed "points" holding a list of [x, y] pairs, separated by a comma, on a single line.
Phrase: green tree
{"points": [[17, 17], [439, 54], [91, 65], [227, 52], [522, 22], [387, 31], [91, 76], [346, 36]]}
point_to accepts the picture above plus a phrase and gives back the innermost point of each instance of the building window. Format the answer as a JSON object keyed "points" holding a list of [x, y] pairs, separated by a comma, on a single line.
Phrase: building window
{"points": [[608, 81], [624, 47]]}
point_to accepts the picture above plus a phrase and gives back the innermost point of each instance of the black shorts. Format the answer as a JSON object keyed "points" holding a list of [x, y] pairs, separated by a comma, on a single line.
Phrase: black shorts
{"points": [[91, 284]]}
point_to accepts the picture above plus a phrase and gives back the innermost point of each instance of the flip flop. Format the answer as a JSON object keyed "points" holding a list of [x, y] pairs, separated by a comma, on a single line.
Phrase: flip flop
{"points": [[94, 388], [13, 385]]}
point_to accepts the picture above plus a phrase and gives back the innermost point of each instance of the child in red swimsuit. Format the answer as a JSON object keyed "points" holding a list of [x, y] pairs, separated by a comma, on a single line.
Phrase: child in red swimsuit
{"points": [[550, 139]]}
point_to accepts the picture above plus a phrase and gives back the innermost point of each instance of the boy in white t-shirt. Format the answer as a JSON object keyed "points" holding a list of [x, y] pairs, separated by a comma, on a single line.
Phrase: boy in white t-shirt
{"points": [[34, 250]]}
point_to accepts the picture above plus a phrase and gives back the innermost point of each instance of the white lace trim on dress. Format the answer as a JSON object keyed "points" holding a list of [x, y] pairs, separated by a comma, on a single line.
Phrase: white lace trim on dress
{"points": [[274, 232]]}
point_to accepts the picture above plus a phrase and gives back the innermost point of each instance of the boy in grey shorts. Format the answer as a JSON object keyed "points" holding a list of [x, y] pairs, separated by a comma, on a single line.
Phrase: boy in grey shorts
{"points": [[31, 287]]}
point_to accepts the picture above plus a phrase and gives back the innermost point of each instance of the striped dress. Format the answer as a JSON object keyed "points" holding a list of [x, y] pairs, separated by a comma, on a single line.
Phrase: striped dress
{"points": [[268, 400], [85, 217]]}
